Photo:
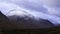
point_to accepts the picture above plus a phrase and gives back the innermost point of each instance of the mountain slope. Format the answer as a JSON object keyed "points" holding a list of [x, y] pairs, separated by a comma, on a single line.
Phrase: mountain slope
{"points": [[25, 20]]}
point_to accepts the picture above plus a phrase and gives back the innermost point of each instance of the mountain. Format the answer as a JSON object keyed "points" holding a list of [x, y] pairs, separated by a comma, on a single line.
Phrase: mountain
{"points": [[19, 25], [25, 20]]}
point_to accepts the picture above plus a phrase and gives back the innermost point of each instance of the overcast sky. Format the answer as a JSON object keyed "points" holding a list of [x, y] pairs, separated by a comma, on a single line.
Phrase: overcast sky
{"points": [[36, 5]]}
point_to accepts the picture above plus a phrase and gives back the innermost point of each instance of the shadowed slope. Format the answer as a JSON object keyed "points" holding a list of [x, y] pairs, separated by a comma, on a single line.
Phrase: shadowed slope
{"points": [[5, 24]]}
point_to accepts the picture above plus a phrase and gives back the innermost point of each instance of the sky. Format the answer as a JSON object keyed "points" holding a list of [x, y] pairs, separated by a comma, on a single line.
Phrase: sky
{"points": [[46, 9]]}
